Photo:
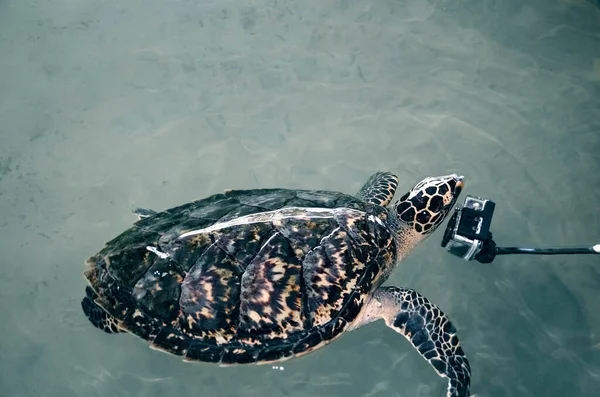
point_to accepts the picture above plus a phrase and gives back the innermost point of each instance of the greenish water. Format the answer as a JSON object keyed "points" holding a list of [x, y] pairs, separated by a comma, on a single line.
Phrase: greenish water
{"points": [[110, 105]]}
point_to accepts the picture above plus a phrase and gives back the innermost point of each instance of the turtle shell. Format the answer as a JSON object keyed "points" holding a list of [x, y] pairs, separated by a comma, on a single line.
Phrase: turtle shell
{"points": [[245, 276]]}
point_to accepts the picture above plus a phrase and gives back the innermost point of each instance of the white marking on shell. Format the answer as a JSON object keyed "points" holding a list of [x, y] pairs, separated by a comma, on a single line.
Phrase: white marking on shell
{"points": [[334, 231], [162, 255], [268, 241], [376, 219], [596, 248], [274, 216]]}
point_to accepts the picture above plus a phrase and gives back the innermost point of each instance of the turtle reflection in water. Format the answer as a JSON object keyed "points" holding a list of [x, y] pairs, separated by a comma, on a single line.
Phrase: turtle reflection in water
{"points": [[264, 275]]}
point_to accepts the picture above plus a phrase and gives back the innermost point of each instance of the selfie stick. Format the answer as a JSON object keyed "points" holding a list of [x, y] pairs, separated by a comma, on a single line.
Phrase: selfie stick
{"points": [[489, 250], [468, 235], [548, 251]]}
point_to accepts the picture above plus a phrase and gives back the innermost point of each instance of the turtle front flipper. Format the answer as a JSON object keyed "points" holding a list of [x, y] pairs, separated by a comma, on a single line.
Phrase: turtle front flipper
{"points": [[428, 330], [379, 189], [97, 315]]}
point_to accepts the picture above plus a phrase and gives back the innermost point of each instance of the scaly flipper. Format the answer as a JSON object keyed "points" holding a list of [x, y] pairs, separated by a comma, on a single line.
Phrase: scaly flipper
{"points": [[97, 316], [379, 189], [428, 330]]}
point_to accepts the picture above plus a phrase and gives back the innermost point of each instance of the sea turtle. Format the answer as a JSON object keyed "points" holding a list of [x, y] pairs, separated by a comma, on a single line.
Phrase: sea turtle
{"points": [[264, 275]]}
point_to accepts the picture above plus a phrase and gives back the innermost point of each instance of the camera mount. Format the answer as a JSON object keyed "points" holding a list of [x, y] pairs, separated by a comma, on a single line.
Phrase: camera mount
{"points": [[468, 235]]}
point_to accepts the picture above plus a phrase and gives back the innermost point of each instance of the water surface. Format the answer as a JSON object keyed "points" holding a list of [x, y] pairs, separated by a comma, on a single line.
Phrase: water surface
{"points": [[106, 106]]}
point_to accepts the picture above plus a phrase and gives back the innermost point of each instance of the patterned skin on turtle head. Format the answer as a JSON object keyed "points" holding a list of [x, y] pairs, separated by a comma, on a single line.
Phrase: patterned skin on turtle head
{"points": [[425, 206]]}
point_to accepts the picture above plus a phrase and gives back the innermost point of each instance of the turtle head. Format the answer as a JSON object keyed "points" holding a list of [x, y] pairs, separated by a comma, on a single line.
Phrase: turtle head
{"points": [[424, 207]]}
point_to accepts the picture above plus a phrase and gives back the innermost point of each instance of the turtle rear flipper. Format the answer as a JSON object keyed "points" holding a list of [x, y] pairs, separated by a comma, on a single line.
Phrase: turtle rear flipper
{"points": [[379, 189], [143, 213], [97, 315], [429, 331]]}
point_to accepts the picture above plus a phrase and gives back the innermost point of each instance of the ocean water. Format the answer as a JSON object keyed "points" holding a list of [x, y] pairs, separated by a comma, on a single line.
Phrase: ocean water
{"points": [[110, 105]]}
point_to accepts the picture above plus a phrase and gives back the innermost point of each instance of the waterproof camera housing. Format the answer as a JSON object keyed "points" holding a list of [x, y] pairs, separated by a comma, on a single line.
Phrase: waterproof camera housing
{"points": [[468, 229]]}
